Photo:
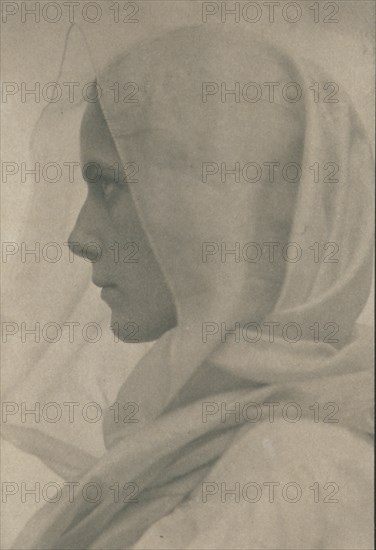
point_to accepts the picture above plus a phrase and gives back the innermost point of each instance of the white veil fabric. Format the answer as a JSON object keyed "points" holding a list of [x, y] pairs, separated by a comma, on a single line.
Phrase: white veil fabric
{"points": [[170, 133], [28, 367]]}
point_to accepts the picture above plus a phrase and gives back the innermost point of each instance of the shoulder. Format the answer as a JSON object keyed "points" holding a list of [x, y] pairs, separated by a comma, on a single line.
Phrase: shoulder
{"points": [[279, 485]]}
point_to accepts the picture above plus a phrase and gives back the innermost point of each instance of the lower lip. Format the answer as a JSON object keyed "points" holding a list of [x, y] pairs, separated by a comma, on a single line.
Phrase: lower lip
{"points": [[109, 294]]}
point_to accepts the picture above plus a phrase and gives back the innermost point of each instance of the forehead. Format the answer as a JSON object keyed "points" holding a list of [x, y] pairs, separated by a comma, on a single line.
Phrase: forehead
{"points": [[96, 143]]}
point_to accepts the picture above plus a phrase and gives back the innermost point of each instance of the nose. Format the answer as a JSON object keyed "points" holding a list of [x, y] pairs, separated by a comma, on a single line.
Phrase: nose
{"points": [[82, 241]]}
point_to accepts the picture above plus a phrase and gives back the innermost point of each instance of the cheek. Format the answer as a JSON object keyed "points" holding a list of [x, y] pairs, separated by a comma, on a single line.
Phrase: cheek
{"points": [[124, 220], [131, 242]]}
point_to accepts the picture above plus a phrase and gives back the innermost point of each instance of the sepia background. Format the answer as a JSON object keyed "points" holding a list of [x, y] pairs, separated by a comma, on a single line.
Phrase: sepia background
{"points": [[31, 52]]}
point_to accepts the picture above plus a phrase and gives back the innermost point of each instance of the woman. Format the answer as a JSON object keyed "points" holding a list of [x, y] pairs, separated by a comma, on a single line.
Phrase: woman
{"points": [[181, 456]]}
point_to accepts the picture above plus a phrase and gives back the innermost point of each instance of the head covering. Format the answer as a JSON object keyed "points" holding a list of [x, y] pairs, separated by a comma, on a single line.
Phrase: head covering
{"points": [[171, 141], [171, 132]]}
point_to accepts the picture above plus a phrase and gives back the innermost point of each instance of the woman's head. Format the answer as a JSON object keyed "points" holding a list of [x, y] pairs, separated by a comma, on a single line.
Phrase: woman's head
{"points": [[126, 269], [170, 131], [164, 221]]}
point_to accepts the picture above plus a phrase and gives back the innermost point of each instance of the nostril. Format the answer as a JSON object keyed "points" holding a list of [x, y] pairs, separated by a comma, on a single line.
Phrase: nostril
{"points": [[75, 247], [91, 252]]}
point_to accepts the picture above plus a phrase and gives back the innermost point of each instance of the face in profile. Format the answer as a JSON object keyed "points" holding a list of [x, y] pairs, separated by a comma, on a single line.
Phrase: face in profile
{"points": [[132, 283]]}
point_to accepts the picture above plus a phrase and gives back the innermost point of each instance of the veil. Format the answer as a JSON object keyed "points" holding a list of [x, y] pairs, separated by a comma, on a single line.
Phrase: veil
{"points": [[58, 372]]}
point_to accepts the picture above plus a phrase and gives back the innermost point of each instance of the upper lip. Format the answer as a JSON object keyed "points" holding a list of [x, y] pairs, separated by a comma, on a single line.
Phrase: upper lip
{"points": [[101, 284]]}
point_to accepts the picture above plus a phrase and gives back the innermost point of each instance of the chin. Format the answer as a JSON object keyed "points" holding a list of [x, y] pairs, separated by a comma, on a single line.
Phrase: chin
{"points": [[136, 331]]}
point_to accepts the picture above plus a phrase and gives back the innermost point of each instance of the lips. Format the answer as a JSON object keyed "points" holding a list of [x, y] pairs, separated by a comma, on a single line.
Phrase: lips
{"points": [[101, 283], [110, 294]]}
